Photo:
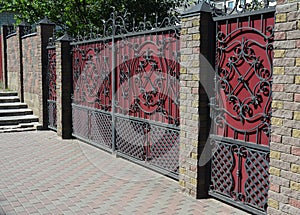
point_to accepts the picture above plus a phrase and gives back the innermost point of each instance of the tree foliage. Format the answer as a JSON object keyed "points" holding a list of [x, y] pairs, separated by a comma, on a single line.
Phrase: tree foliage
{"points": [[80, 15]]}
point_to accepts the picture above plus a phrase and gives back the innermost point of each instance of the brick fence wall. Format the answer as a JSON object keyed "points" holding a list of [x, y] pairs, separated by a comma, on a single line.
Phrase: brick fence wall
{"points": [[284, 193], [5, 18], [13, 61], [32, 76], [25, 65]]}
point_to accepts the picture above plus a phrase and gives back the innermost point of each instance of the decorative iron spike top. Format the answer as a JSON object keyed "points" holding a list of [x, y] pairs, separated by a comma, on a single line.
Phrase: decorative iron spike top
{"points": [[228, 7], [29, 29], [11, 29], [118, 25]]}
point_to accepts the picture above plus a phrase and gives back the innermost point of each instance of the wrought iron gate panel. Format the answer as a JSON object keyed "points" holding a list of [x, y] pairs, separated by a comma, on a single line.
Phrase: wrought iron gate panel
{"points": [[131, 138], [92, 75], [81, 122], [148, 77], [92, 95], [164, 148], [257, 184], [244, 73], [126, 91], [222, 165], [51, 79], [147, 93], [241, 110], [101, 127]]}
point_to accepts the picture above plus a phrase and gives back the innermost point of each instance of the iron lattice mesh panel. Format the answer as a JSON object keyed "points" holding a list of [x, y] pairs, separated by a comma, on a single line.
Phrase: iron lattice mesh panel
{"points": [[80, 122], [52, 117], [101, 129], [164, 149], [257, 183], [222, 164], [130, 138]]}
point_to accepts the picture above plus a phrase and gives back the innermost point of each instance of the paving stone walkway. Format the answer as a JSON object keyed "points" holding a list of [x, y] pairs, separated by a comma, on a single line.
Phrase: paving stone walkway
{"points": [[42, 174]]}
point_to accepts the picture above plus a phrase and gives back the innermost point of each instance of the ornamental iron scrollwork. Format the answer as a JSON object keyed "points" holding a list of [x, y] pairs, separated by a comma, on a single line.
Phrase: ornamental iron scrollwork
{"points": [[92, 76], [148, 84], [244, 77], [126, 91], [241, 110], [235, 7], [240, 173]]}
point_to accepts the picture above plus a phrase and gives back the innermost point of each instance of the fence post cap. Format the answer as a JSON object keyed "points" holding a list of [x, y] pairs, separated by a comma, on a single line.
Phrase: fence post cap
{"points": [[45, 21], [202, 6], [23, 23], [65, 38]]}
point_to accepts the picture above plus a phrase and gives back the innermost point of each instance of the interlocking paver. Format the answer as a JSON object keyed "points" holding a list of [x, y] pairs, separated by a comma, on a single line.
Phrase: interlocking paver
{"points": [[42, 174]]}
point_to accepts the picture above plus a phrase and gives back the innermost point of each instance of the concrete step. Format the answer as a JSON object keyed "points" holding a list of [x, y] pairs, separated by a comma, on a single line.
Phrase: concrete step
{"points": [[14, 105], [21, 127], [9, 99], [15, 112], [3, 94], [15, 120]]}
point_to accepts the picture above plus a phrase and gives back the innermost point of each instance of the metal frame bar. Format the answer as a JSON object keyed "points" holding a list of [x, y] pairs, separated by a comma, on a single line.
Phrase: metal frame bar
{"points": [[149, 166], [246, 207], [245, 14], [242, 143]]}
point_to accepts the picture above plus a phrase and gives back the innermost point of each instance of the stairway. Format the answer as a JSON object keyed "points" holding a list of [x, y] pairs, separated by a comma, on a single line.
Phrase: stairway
{"points": [[14, 115]]}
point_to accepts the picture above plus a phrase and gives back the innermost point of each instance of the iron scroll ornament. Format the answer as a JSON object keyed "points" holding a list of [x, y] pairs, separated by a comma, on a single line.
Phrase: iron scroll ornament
{"points": [[222, 7], [238, 62], [148, 84]]}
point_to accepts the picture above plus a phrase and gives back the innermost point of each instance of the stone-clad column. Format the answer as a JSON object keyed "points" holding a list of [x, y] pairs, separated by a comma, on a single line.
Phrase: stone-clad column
{"points": [[194, 111], [45, 30], [64, 86], [284, 193]]}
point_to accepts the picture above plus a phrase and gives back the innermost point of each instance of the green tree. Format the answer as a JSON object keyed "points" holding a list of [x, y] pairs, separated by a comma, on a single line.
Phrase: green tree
{"points": [[76, 16]]}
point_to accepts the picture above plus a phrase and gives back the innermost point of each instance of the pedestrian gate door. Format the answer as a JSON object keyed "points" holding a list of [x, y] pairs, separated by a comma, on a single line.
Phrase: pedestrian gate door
{"points": [[241, 109]]}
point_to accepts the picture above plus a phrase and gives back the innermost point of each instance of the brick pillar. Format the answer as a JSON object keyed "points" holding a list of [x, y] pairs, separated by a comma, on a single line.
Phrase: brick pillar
{"points": [[64, 86], [284, 193], [194, 111], [45, 30], [4, 33]]}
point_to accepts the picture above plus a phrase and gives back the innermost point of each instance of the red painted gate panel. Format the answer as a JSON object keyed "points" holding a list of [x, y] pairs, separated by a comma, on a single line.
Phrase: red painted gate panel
{"points": [[126, 92], [242, 110]]}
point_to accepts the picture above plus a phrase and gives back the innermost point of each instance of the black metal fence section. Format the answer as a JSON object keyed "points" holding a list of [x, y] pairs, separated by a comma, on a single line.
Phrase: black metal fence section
{"points": [[240, 174], [51, 80], [241, 109], [126, 91]]}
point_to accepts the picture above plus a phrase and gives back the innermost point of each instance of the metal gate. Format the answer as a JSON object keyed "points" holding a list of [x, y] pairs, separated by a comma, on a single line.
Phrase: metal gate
{"points": [[241, 108], [51, 83], [126, 91]]}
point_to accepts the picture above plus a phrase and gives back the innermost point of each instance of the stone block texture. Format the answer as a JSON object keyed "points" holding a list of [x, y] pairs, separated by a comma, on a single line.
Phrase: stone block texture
{"points": [[26, 67], [189, 99], [13, 62], [31, 73], [193, 179], [284, 193]]}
